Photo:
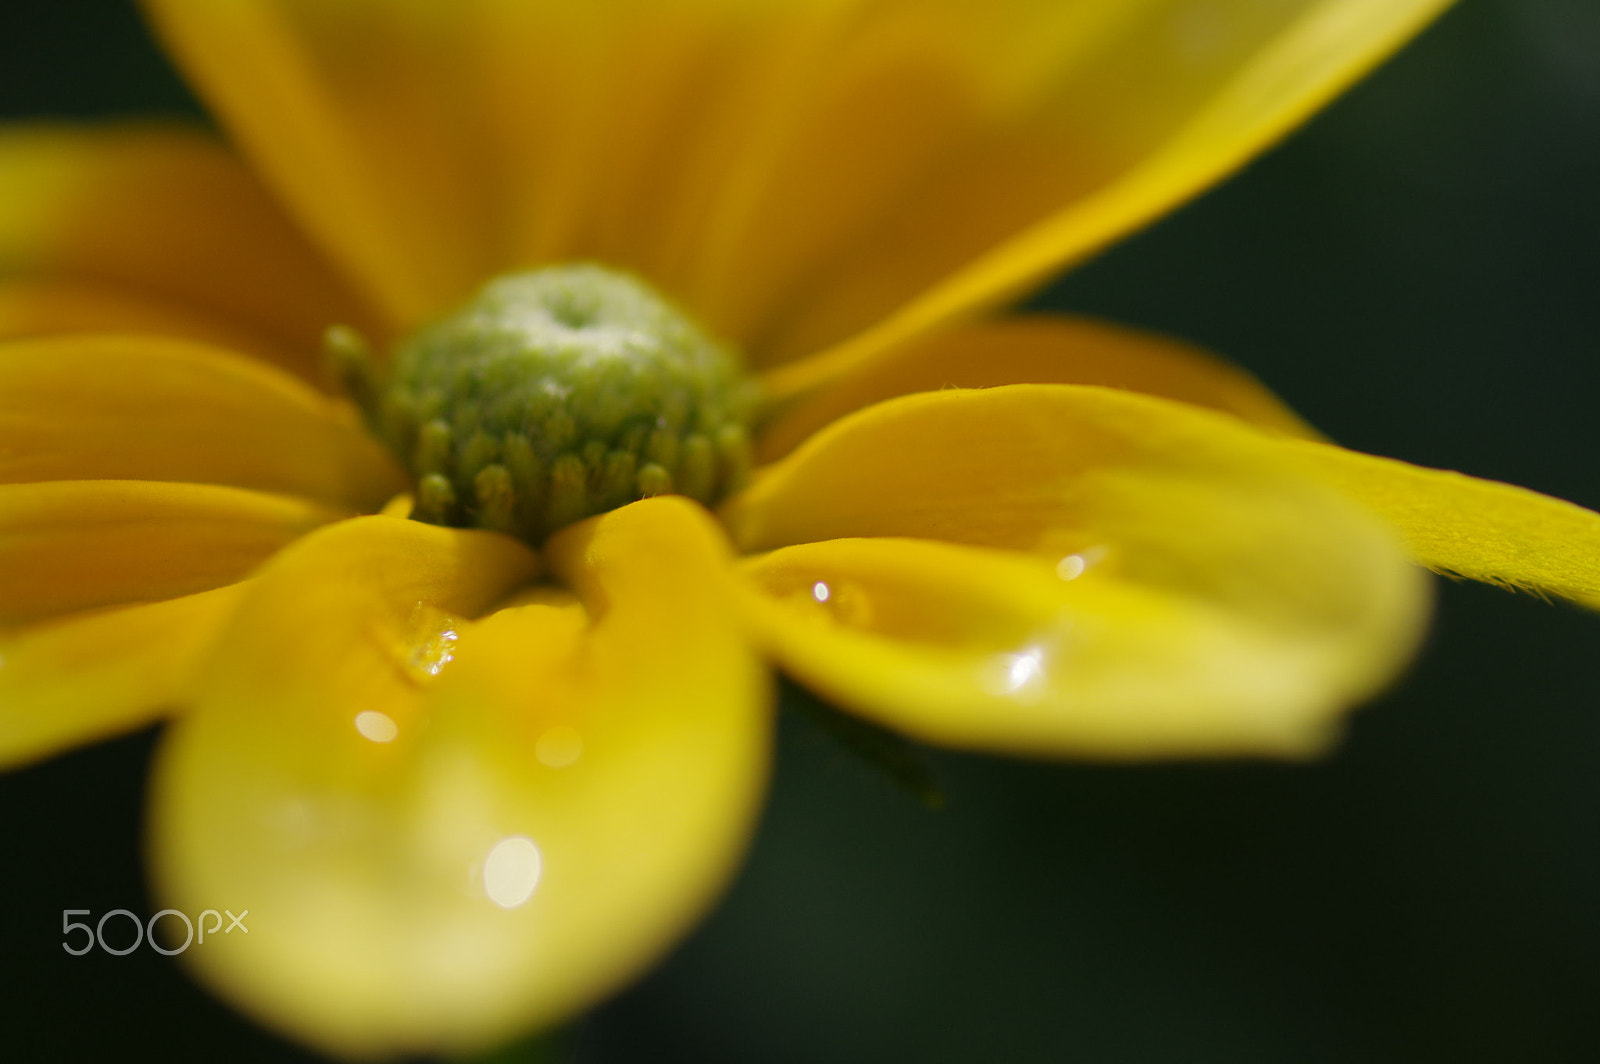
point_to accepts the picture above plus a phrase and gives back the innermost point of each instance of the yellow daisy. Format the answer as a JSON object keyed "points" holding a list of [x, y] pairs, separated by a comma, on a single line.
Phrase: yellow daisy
{"points": [[469, 779]]}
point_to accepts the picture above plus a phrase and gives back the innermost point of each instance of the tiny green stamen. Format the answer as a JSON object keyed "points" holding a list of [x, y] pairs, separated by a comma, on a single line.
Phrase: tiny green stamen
{"points": [[554, 395]]}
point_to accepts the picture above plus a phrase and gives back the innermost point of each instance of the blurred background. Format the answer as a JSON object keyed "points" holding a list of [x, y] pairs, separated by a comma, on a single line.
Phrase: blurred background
{"points": [[1417, 273]]}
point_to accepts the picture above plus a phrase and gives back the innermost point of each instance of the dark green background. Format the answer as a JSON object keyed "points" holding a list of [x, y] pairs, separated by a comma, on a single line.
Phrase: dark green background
{"points": [[1416, 272]]}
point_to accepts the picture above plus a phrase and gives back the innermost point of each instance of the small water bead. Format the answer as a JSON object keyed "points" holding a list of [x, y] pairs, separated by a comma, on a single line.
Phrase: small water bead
{"points": [[553, 395], [432, 656], [512, 870], [1023, 668], [834, 600], [429, 642], [1024, 674], [377, 727], [1071, 567], [1075, 565], [559, 746]]}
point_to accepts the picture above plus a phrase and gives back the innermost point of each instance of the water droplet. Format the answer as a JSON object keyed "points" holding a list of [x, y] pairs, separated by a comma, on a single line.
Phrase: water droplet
{"points": [[295, 820], [559, 747], [432, 637], [1023, 674], [843, 601], [511, 871], [1075, 565], [1023, 668], [379, 727], [436, 653]]}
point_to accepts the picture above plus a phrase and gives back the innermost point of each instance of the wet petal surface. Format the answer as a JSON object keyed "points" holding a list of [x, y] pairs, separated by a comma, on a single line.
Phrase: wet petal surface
{"points": [[1159, 580], [448, 829]]}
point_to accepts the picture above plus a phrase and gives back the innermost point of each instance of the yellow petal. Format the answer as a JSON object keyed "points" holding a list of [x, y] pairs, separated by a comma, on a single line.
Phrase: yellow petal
{"points": [[1016, 466], [447, 830], [357, 114], [1463, 526], [40, 307], [165, 212], [128, 407], [1146, 105], [793, 170], [1039, 350], [75, 545], [89, 677], [1259, 601], [1000, 650]]}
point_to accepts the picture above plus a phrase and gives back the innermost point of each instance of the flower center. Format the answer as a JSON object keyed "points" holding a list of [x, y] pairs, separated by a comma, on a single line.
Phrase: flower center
{"points": [[553, 395]]}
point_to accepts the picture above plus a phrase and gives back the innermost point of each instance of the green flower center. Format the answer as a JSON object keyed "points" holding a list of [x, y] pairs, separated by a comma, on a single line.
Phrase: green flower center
{"points": [[554, 395]]}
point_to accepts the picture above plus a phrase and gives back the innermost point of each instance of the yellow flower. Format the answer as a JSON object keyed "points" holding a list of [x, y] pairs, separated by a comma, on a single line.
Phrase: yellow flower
{"points": [[465, 786]]}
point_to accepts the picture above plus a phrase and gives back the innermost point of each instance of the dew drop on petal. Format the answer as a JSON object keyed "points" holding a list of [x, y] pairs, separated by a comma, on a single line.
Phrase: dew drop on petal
{"points": [[432, 637], [511, 871], [1075, 565], [1071, 567], [1019, 674], [294, 821], [379, 727], [843, 601], [1022, 669], [559, 747], [436, 653]]}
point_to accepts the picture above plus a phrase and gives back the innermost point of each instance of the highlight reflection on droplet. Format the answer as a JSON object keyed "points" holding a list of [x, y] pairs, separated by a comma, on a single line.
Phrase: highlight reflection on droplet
{"points": [[559, 747], [432, 637], [820, 591], [511, 871], [1022, 669], [434, 655], [1075, 565], [379, 727], [1071, 567]]}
